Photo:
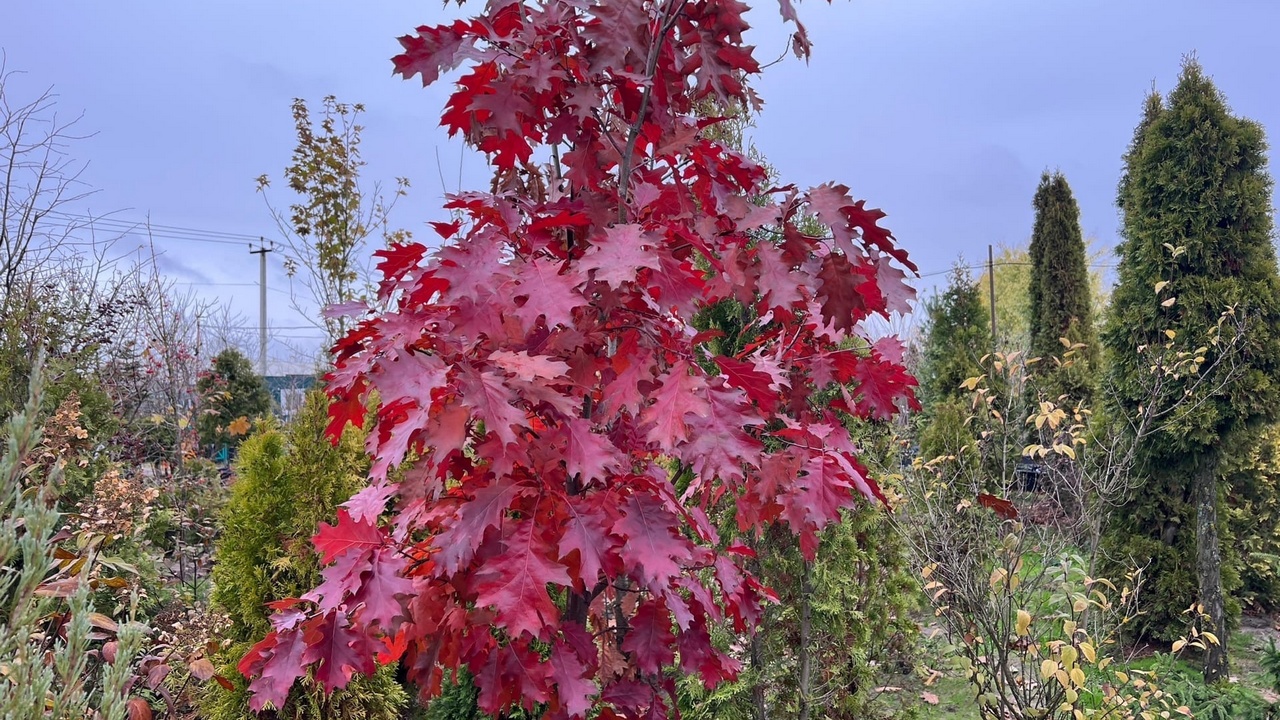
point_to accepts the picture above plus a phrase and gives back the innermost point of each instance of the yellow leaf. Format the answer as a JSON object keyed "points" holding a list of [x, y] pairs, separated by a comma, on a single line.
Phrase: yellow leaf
{"points": [[1069, 628], [998, 575], [1169, 302], [1089, 652], [1179, 644], [1211, 637], [1122, 677], [157, 419], [183, 423], [1048, 668], [1080, 605], [1161, 285], [1077, 677], [1171, 334], [1072, 696], [102, 622], [1069, 656], [1023, 623], [239, 426]]}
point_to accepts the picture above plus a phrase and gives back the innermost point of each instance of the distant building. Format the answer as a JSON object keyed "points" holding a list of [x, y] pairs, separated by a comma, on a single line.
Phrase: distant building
{"points": [[288, 392]]}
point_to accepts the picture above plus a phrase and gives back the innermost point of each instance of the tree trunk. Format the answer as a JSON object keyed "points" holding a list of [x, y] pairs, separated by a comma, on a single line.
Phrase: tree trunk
{"points": [[758, 661], [1209, 567], [757, 664], [806, 671]]}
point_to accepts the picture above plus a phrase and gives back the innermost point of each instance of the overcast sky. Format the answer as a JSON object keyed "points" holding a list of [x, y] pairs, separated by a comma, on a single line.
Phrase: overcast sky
{"points": [[943, 114]]}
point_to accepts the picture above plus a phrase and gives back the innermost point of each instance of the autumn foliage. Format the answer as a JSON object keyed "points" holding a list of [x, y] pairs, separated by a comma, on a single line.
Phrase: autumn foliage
{"points": [[549, 443]]}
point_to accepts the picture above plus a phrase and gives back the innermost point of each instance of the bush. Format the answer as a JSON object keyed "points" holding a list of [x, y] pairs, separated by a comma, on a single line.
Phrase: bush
{"points": [[1221, 701], [54, 660], [1253, 516], [859, 595], [1171, 581], [288, 481]]}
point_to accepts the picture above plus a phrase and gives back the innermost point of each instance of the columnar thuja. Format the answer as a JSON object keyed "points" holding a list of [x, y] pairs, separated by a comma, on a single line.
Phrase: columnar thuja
{"points": [[559, 446]]}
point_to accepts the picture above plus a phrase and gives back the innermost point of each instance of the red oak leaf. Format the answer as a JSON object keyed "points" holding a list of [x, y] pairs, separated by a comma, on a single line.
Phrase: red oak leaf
{"points": [[337, 650], [370, 502], [756, 384], [277, 662], [619, 255], [650, 638], [652, 548], [490, 398], [548, 294], [898, 295], [588, 455], [1001, 507], [586, 533], [433, 49], [382, 589], [574, 688], [880, 385], [516, 582], [528, 368], [512, 674], [334, 540], [842, 304], [459, 542], [680, 394], [778, 285], [830, 202], [699, 655]]}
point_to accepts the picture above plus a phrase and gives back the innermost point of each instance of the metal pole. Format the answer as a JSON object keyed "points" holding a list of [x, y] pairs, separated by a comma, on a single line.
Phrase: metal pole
{"points": [[991, 286], [261, 252]]}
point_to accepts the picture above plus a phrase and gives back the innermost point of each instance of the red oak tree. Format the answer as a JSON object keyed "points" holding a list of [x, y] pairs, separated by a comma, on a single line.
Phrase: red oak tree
{"points": [[548, 440]]}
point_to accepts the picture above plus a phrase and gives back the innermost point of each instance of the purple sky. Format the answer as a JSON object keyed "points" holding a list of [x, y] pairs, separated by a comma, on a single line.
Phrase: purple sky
{"points": [[942, 114]]}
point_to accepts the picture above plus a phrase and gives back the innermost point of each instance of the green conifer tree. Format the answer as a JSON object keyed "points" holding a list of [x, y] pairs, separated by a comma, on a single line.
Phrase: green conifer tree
{"points": [[232, 390], [1059, 295], [957, 335], [1196, 201], [288, 481]]}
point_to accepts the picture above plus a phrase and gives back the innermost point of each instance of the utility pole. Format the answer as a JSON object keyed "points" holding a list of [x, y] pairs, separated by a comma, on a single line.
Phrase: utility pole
{"points": [[261, 252], [991, 286]]}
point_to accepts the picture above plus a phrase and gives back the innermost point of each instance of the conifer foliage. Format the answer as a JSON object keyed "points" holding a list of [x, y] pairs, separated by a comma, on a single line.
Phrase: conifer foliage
{"points": [[1197, 244], [1059, 293], [536, 378], [957, 334]]}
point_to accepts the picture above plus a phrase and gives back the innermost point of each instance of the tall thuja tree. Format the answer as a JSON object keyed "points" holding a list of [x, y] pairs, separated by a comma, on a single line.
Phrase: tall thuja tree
{"points": [[539, 372], [1197, 242], [1059, 293]]}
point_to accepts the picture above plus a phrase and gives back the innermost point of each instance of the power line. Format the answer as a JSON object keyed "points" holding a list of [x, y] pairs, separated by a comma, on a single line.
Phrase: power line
{"points": [[999, 263], [231, 284], [269, 327], [173, 230]]}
